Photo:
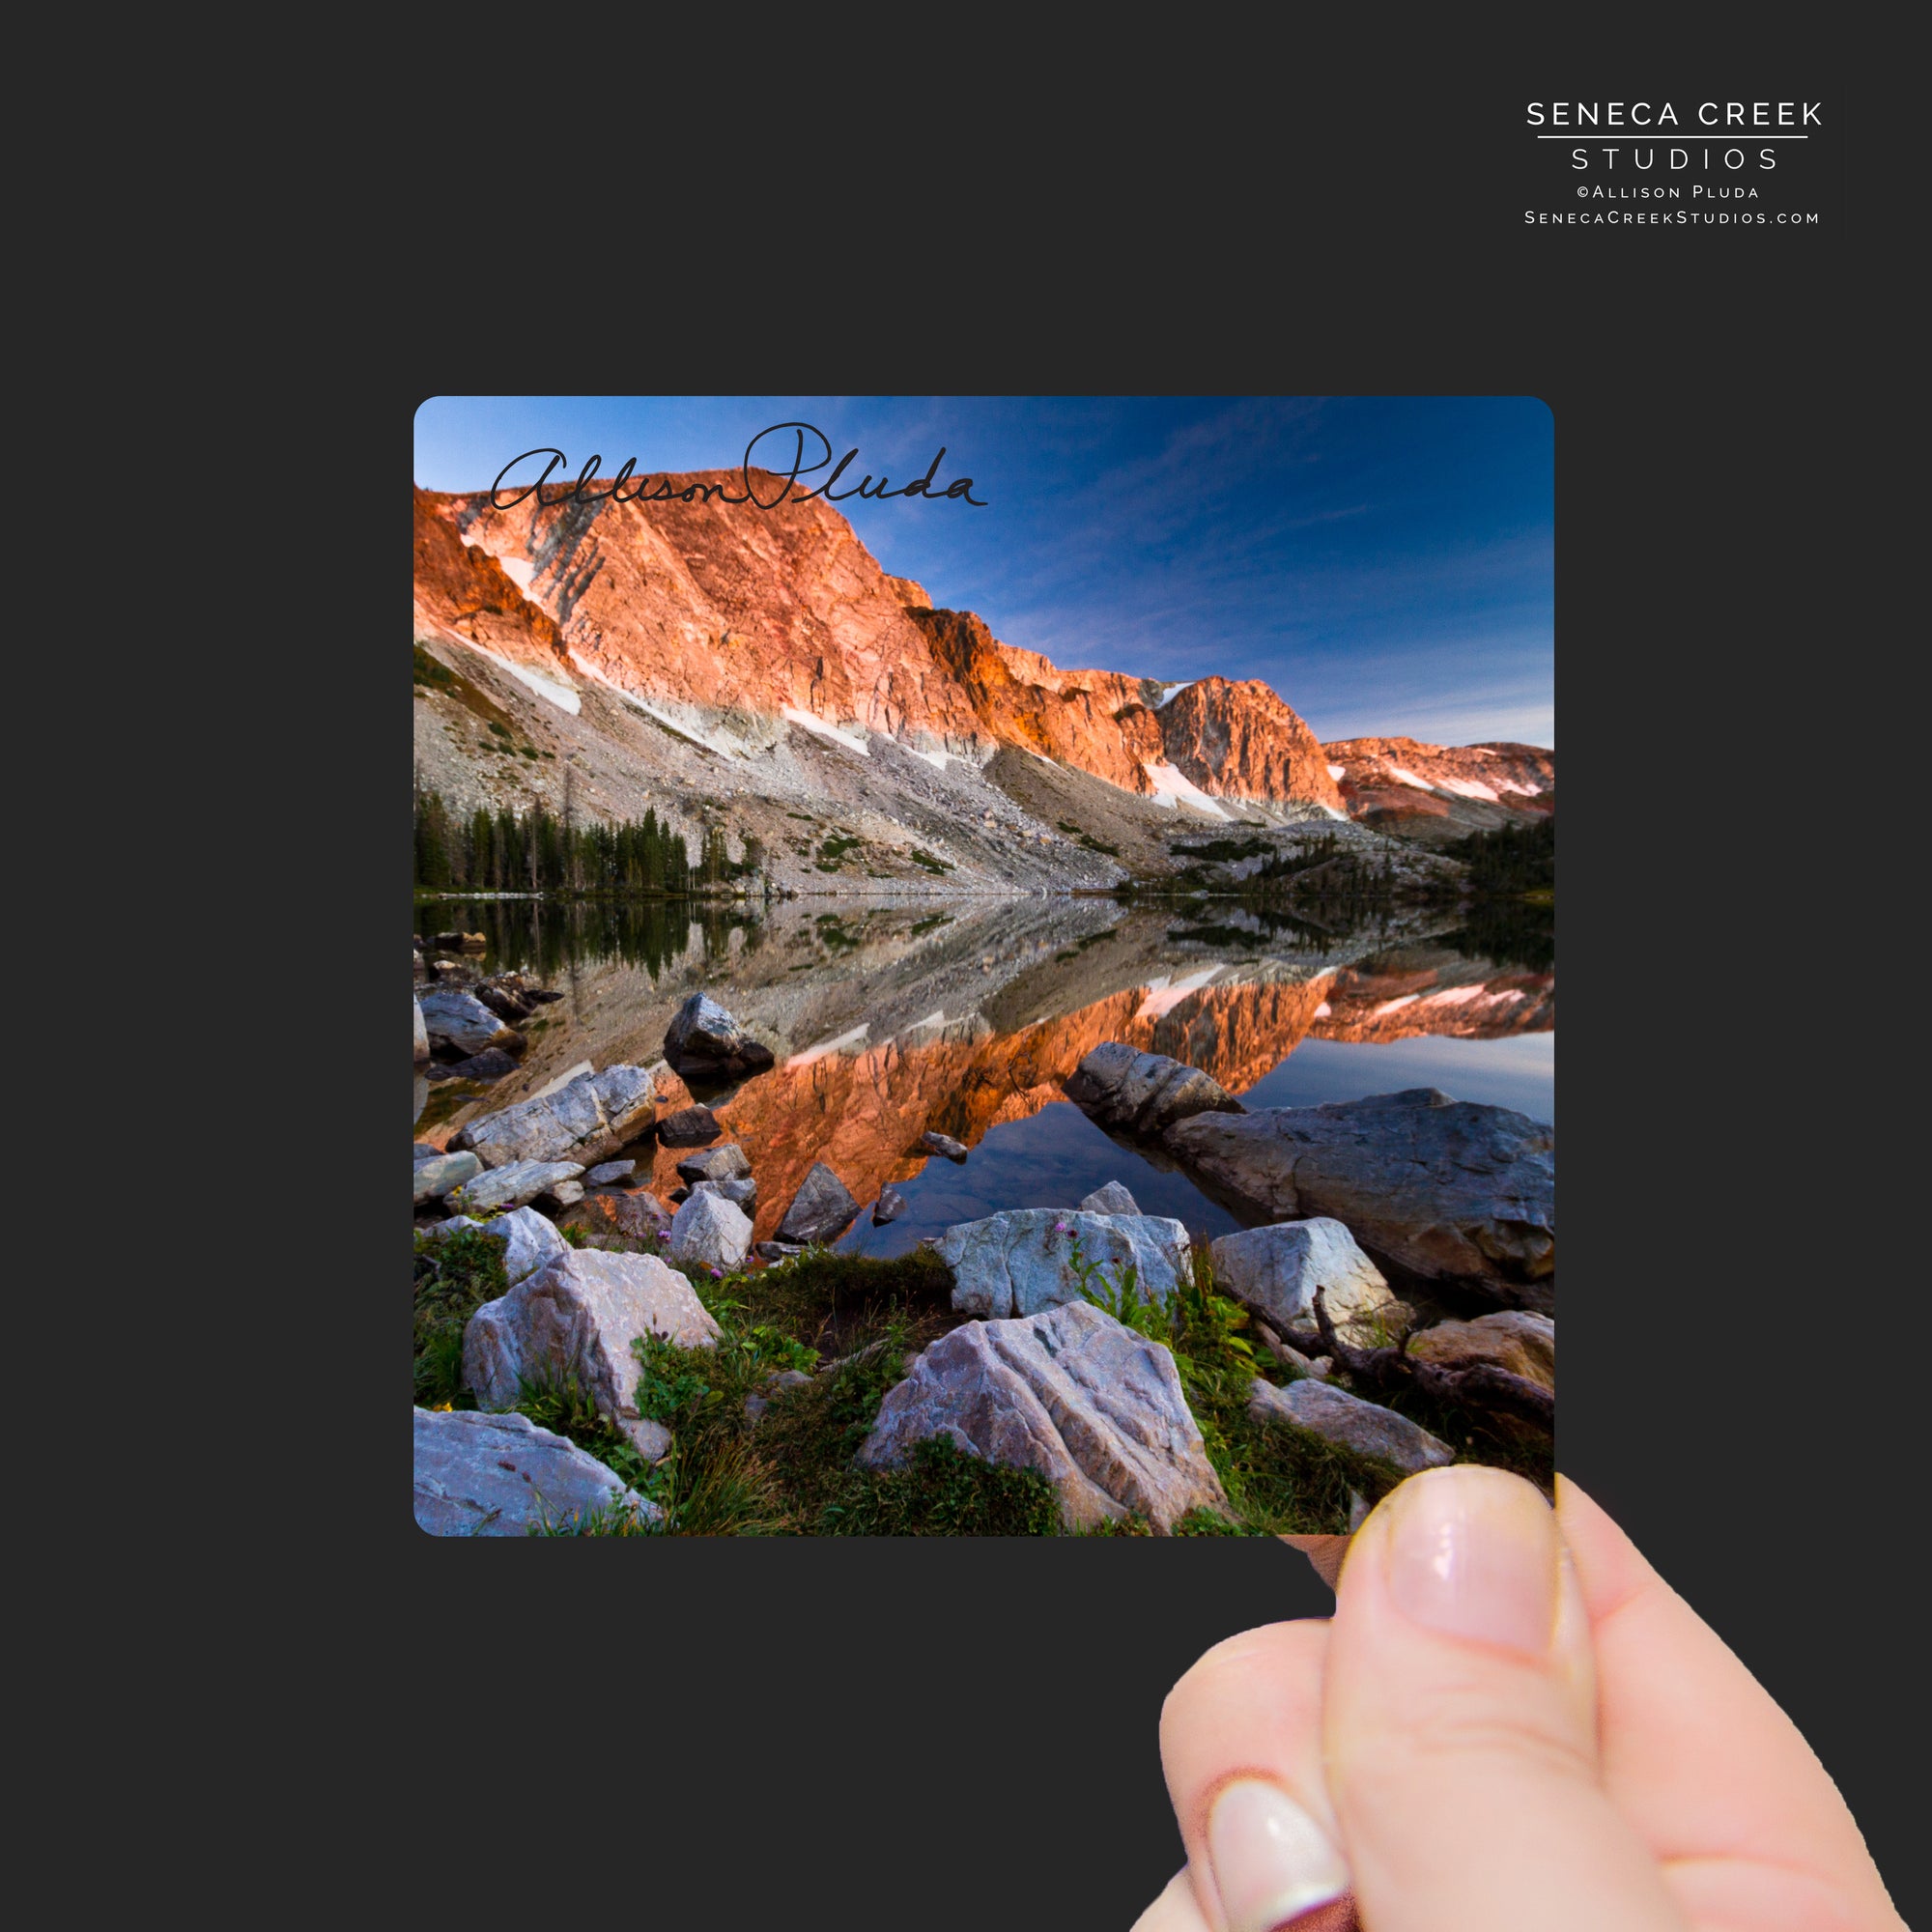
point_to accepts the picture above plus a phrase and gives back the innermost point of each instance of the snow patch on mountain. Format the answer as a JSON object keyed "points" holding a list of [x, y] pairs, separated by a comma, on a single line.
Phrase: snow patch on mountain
{"points": [[1171, 787]]}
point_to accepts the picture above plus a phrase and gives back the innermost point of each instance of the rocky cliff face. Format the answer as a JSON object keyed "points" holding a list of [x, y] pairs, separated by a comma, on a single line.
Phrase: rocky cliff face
{"points": [[734, 623], [1448, 789]]}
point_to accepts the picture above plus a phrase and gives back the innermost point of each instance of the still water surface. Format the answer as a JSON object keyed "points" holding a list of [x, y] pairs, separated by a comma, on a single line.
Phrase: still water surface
{"points": [[965, 1015]]}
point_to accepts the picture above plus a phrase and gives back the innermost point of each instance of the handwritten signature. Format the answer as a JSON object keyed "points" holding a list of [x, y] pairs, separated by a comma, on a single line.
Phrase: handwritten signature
{"points": [[961, 490]]}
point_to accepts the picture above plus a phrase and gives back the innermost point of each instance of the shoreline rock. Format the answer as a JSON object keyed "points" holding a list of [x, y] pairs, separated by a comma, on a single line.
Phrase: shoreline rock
{"points": [[478, 1474], [1117, 1086], [1018, 1262], [1434, 1189], [1070, 1393], [705, 1041], [1363, 1427], [820, 1212], [585, 1121], [1275, 1271]]}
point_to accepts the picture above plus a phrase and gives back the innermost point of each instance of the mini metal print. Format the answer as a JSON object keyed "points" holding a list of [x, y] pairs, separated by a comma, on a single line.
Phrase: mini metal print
{"points": [[982, 966]]}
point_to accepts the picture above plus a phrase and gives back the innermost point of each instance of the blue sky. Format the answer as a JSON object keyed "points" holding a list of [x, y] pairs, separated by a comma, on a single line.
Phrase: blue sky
{"points": [[1387, 563]]}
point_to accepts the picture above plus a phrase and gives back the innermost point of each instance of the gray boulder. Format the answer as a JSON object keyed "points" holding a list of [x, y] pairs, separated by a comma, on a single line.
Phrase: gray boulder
{"points": [[424, 1150], [638, 1214], [889, 1207], [711, 1230], [1363, 1427], [1277, 1270], [530, 1241], [1435, 1188], [1112, 1199], [689, 1126], [575, 1321], [821, 1210], [422, 1035], [518, 1185], [937, 1143], [592, 1117], [742, 1192], [611, 1173], [705, 1040], [434, 1178], [1511, 1339], [719, 1163], [502, 1475], [453, 1018], [777, 1251], [1090, 1406], [1017, 1262], [1143, 1094]]}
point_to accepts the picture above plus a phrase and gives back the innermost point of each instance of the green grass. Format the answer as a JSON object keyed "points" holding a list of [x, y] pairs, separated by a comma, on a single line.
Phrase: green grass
{"points": [[851, 1323], [455, 1275], [1087, 839], [429, 671], [922, 857], [832, 853]]}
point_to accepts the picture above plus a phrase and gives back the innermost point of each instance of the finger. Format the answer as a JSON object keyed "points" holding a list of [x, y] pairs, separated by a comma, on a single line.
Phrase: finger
{"points": [[1240, 1744], [1175, 1909], [1713, 1776], [1458, 1721]]}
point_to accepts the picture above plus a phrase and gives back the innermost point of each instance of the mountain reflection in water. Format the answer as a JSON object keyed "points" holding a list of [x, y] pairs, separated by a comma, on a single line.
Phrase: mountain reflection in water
{"points": [[966, 1015]]}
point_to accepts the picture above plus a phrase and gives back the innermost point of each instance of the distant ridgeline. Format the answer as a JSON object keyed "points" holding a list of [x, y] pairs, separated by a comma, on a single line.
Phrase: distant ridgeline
{"points": [[536, 852]]}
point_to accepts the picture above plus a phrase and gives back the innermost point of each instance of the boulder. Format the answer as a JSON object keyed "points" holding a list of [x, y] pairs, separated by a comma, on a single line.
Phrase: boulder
{"points": [[1436, 1189], [492, 1064], [444, 1174], [889, 1207], [422, 1035], [937, 1143], [575, 1321], [426, 1150], [1112, 1199], [516, 1185], [705, 1040], [530, 1241], [501, 1475], [689, 1126], [450, 970], [504, 1001], [741, 1190], [711, 1230], [1511, 1339], [641, 1215], [777, 1251], [1071, 1393], [1017, 1262], [1363, 1427], [593, 1116], [456, 1021], [1144, 1094], [821, 1210], [1277, 1270], [719, 1163], [611, 1173]]}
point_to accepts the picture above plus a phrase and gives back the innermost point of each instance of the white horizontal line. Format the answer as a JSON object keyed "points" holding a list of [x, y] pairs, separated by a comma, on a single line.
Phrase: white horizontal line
{"points": [[1706, 134]]}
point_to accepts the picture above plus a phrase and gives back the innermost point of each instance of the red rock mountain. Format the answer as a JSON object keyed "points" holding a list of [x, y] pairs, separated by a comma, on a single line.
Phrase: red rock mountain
{"points": [[738, 615], [1459, 786]]}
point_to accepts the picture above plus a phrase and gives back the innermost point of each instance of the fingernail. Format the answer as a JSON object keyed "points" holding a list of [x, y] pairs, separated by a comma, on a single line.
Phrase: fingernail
{"points": [[1472, 1552], [1272, 1862]]}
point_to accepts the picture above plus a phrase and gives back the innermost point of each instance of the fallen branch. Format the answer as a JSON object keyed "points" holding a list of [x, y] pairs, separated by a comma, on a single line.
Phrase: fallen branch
{"points": [[1481, 1385]]}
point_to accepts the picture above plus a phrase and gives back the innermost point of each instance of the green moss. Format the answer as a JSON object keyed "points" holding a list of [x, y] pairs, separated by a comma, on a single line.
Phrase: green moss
{"points": [[922, 857], [832, 853]]}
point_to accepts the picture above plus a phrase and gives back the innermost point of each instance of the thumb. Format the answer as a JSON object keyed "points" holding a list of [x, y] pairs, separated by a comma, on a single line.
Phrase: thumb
{"points": [[1459, 1724]]}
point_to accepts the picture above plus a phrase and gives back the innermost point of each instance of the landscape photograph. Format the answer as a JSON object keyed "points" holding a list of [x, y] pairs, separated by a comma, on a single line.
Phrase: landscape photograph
{"points": [[982, 966]]}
